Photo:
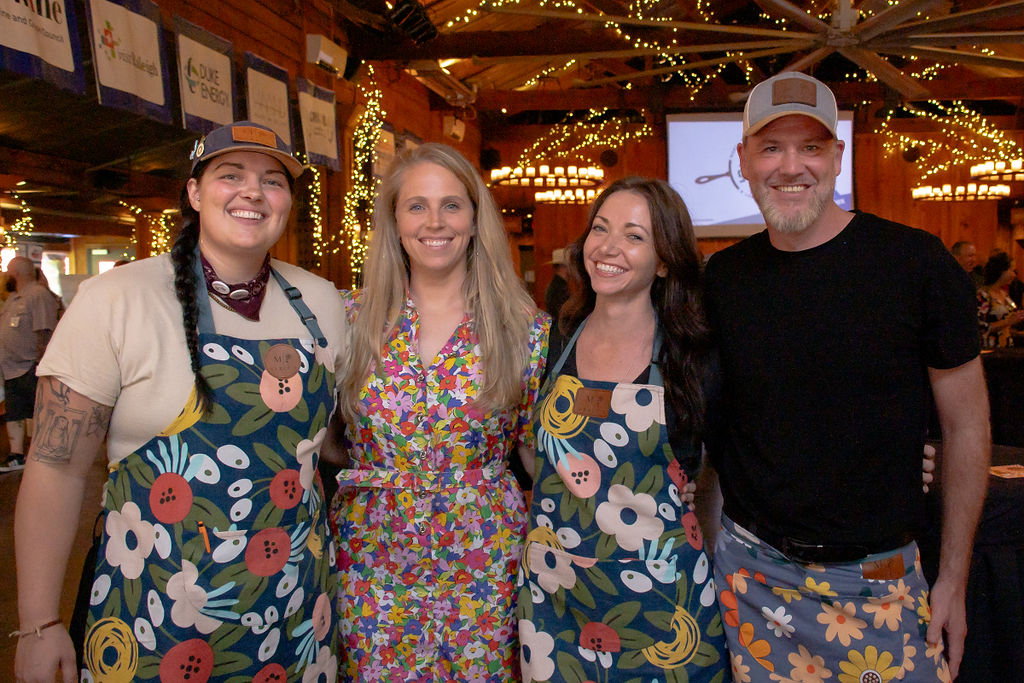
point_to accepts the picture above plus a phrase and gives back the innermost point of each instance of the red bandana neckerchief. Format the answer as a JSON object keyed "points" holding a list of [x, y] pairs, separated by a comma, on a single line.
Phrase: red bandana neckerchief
{"points": [[244, 298]]}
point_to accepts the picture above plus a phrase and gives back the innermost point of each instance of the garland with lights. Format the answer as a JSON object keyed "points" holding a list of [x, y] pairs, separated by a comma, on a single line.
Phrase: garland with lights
{"points": [[316, 192], [23, 225], [966, 138], [583, 136], [159, 230], [359, 199]]}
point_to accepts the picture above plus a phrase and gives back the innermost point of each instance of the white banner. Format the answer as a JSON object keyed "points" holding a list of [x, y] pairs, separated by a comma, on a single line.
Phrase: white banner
{"points": [[205, 78], [127, 51], [40, 30], [268, 103], [319, 130]]}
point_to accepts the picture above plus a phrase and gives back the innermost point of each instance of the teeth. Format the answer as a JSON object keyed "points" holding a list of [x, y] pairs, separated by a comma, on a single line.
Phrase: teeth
{"points": [[790, 188], [610, 269], [254, 215], [435, 243]]}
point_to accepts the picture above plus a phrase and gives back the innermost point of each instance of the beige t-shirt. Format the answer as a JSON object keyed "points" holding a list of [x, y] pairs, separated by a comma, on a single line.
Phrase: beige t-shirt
{"points": [[121, 342]]}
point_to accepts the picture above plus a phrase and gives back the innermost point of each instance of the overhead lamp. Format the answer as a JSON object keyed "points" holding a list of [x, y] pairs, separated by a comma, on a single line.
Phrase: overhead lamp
{"points": [[1003, 170], [557, 196], [960, 193], [545, 175]]}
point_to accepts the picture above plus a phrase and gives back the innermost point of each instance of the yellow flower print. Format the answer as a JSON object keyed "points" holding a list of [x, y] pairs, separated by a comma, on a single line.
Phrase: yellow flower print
{"points": [[787, 594], [824, 589], [872, 665], [924, 610], [556, 415], [888, 610], [405, 498], [842, 622], [111, 651]]}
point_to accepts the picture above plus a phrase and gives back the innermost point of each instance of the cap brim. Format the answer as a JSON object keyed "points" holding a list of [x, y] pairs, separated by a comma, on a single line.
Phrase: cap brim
{"points": [[290, 163]]}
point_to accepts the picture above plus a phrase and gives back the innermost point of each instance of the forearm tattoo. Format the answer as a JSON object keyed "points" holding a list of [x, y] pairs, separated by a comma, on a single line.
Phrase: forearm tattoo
{"points": [[59, 425]]}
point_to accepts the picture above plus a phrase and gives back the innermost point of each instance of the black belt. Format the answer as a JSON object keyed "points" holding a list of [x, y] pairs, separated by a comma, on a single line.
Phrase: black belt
{"points": [[807, 552]]}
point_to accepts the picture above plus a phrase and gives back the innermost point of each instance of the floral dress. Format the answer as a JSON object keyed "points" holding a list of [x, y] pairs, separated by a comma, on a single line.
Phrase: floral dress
{"points": [[215, 562], [615, 582], [430, 523]]}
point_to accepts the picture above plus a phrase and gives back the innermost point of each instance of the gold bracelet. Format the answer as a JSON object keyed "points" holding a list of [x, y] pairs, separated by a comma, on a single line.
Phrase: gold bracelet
{"points": [[37, 631]]}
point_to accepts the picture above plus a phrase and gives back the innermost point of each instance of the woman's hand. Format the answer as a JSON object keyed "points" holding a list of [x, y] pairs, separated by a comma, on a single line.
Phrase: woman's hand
{"points": [[38, 658], [687, 494], [928, 466]]}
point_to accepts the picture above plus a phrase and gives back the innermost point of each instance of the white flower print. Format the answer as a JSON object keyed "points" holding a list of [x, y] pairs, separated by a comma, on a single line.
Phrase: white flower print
{"points": [[304, 452], [638, 406], [326, 664], [551, 578], [535, 653], [119, 524], [641, 507], [778, 621], [192, 605]]}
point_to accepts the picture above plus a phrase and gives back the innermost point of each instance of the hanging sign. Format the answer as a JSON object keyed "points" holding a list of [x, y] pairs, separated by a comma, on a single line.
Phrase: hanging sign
{"points": [[266, 90], [40, 40], [205, 78], [319, 128], [128, 55]]}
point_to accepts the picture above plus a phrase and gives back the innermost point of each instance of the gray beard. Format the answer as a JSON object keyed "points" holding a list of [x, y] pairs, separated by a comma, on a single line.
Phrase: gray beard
{"points": [[797, 223]]}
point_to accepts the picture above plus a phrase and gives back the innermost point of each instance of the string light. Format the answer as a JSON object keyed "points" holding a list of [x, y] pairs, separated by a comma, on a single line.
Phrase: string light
{"points": [[359, 199], [957, 193], [23, 225], [558, 196], [316, 211], [1012, 169], [583, 136], [159, 229]]}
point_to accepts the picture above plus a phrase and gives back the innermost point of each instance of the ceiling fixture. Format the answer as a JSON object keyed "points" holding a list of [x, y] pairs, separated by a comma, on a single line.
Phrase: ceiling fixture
{"points": [[960, 193], [544, 175], [557, 196], [999, 170]]}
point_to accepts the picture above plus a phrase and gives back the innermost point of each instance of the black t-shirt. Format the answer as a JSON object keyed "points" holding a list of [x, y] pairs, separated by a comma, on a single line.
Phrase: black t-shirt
{"points": [[825, 392]]}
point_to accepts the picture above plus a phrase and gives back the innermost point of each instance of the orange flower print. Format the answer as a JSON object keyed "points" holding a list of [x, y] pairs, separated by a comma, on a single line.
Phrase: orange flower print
{"points": [[732, 614], [886, 611], [807, 668], [908, 657], [740, 671], [842, 622], [759, 649]]}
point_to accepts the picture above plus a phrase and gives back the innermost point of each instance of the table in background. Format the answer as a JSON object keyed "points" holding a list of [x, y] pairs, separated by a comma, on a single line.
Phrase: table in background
{"points": [[994, 649]]}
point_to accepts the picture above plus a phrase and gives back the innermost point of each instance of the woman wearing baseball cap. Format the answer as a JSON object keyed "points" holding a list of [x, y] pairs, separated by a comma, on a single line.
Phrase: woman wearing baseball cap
{"points": [[211, 372]]}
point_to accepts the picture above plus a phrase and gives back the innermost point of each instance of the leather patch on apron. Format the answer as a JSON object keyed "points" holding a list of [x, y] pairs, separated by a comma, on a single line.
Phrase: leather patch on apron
{"points": [[282, 361], [887, 569], [592, 402]]}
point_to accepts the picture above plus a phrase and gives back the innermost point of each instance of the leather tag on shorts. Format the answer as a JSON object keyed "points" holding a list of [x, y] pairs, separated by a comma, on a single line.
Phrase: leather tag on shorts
{"points": [[592, 402], [887, 569]]}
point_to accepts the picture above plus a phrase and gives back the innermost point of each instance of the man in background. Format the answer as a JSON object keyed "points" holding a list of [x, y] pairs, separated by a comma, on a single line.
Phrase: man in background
{"points": [[833, 327], [557, 292], [27, 320], [967, 256]]}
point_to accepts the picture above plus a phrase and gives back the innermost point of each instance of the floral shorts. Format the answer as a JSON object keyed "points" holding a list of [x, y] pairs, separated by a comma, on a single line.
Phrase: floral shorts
{"points": [[787, 621]]}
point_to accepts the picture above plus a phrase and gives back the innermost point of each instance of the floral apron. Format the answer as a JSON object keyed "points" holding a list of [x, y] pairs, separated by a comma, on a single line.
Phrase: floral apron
{"points": [[216, 562], [615, 584]]}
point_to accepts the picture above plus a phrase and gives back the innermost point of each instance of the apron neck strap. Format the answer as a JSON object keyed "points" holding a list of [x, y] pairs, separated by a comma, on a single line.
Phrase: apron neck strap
{"points": [[655, 374]]}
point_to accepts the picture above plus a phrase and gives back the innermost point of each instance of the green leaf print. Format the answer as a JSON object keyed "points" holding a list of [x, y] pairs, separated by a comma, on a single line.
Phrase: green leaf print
{"points": [[229, 663], [269, 457], [149, 667], [132, 595], [239, 679], [144, 476], [632, 659], [569, 506], [254, 420], [570, 669], [624, 475], [719, 677], [568, 636], [524, 603], [269, 516], [677, 675], [557, 602], [622, 615], [706, 655], [652, 481], [606, 545], [246, 393], [552, 484], [581, 618], [251, 591], [159, 575], [659, 619], [649, 438], [205, 510], [121, 490], [316, 376], [318, 422], [601, 581], [113, 606], [219, 375], [301, 411], [218, 415], [582, 594], [586, 513], [634, 639], [289, 439], [682, 587], [714, 627], [224, 637]]}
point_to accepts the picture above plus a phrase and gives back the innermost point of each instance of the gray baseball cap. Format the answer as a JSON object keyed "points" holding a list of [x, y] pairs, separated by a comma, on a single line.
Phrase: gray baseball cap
{"points": [[245, 136], [790, 92]]}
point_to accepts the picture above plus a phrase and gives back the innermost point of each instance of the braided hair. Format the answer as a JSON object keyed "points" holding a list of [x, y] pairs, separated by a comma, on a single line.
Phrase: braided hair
{"points": [[183, 256]]}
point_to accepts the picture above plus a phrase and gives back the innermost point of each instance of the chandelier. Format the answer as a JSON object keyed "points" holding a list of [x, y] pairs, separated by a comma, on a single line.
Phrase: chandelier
{"points": [[546, 175], [960, 193], [557, 196], [999, 170]]}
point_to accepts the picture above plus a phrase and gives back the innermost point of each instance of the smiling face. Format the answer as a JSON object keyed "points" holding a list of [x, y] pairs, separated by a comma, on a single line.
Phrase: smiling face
{"points": [[243, 200], [619, 253], [791, 165], [435, 220]]}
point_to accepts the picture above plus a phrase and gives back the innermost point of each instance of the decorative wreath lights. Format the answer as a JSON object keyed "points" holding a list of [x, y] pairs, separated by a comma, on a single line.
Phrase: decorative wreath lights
{"points": [[960, 193], [548, 176], [570, 196], [999, 170]]}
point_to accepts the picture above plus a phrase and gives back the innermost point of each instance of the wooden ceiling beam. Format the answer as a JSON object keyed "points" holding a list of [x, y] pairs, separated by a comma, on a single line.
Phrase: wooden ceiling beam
{"points": [[950, 39], [542, 42], [957, 57], [791, 12], [891, 18], [960, 20], [910, 88]]}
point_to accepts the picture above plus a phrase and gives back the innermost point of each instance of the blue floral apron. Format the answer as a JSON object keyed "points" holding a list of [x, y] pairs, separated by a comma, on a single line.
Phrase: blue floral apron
{"points": [[615, 584], [216, 562]]}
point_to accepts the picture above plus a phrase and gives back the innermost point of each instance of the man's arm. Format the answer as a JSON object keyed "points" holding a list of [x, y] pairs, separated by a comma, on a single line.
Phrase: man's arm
{"points": [[42, 339], [962, 404]]}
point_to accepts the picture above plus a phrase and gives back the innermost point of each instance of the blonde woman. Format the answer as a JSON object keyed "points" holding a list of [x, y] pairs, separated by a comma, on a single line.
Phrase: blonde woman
{"points": [[447, 354]]}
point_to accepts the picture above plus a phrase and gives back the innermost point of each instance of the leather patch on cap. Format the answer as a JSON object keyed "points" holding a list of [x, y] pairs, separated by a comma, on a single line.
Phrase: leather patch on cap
{"points": [[794, 91], [253, 134]]}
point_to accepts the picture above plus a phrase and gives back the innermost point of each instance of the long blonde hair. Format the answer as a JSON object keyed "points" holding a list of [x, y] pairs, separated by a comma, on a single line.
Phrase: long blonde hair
{"points": [[501, 310]]}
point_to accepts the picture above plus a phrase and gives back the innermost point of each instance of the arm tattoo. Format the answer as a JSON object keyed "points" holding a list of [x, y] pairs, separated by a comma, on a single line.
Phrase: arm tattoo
{"points": [[59, 391], [99, 421], [57, 430]]}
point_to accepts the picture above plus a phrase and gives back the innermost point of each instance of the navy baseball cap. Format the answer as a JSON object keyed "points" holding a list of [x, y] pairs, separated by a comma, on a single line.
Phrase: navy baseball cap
{"points": [[245, 136]]}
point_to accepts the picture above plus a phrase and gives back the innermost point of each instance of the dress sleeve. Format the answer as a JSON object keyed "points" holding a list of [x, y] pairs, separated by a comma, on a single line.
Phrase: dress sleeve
{"points": [[539, 333]]}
